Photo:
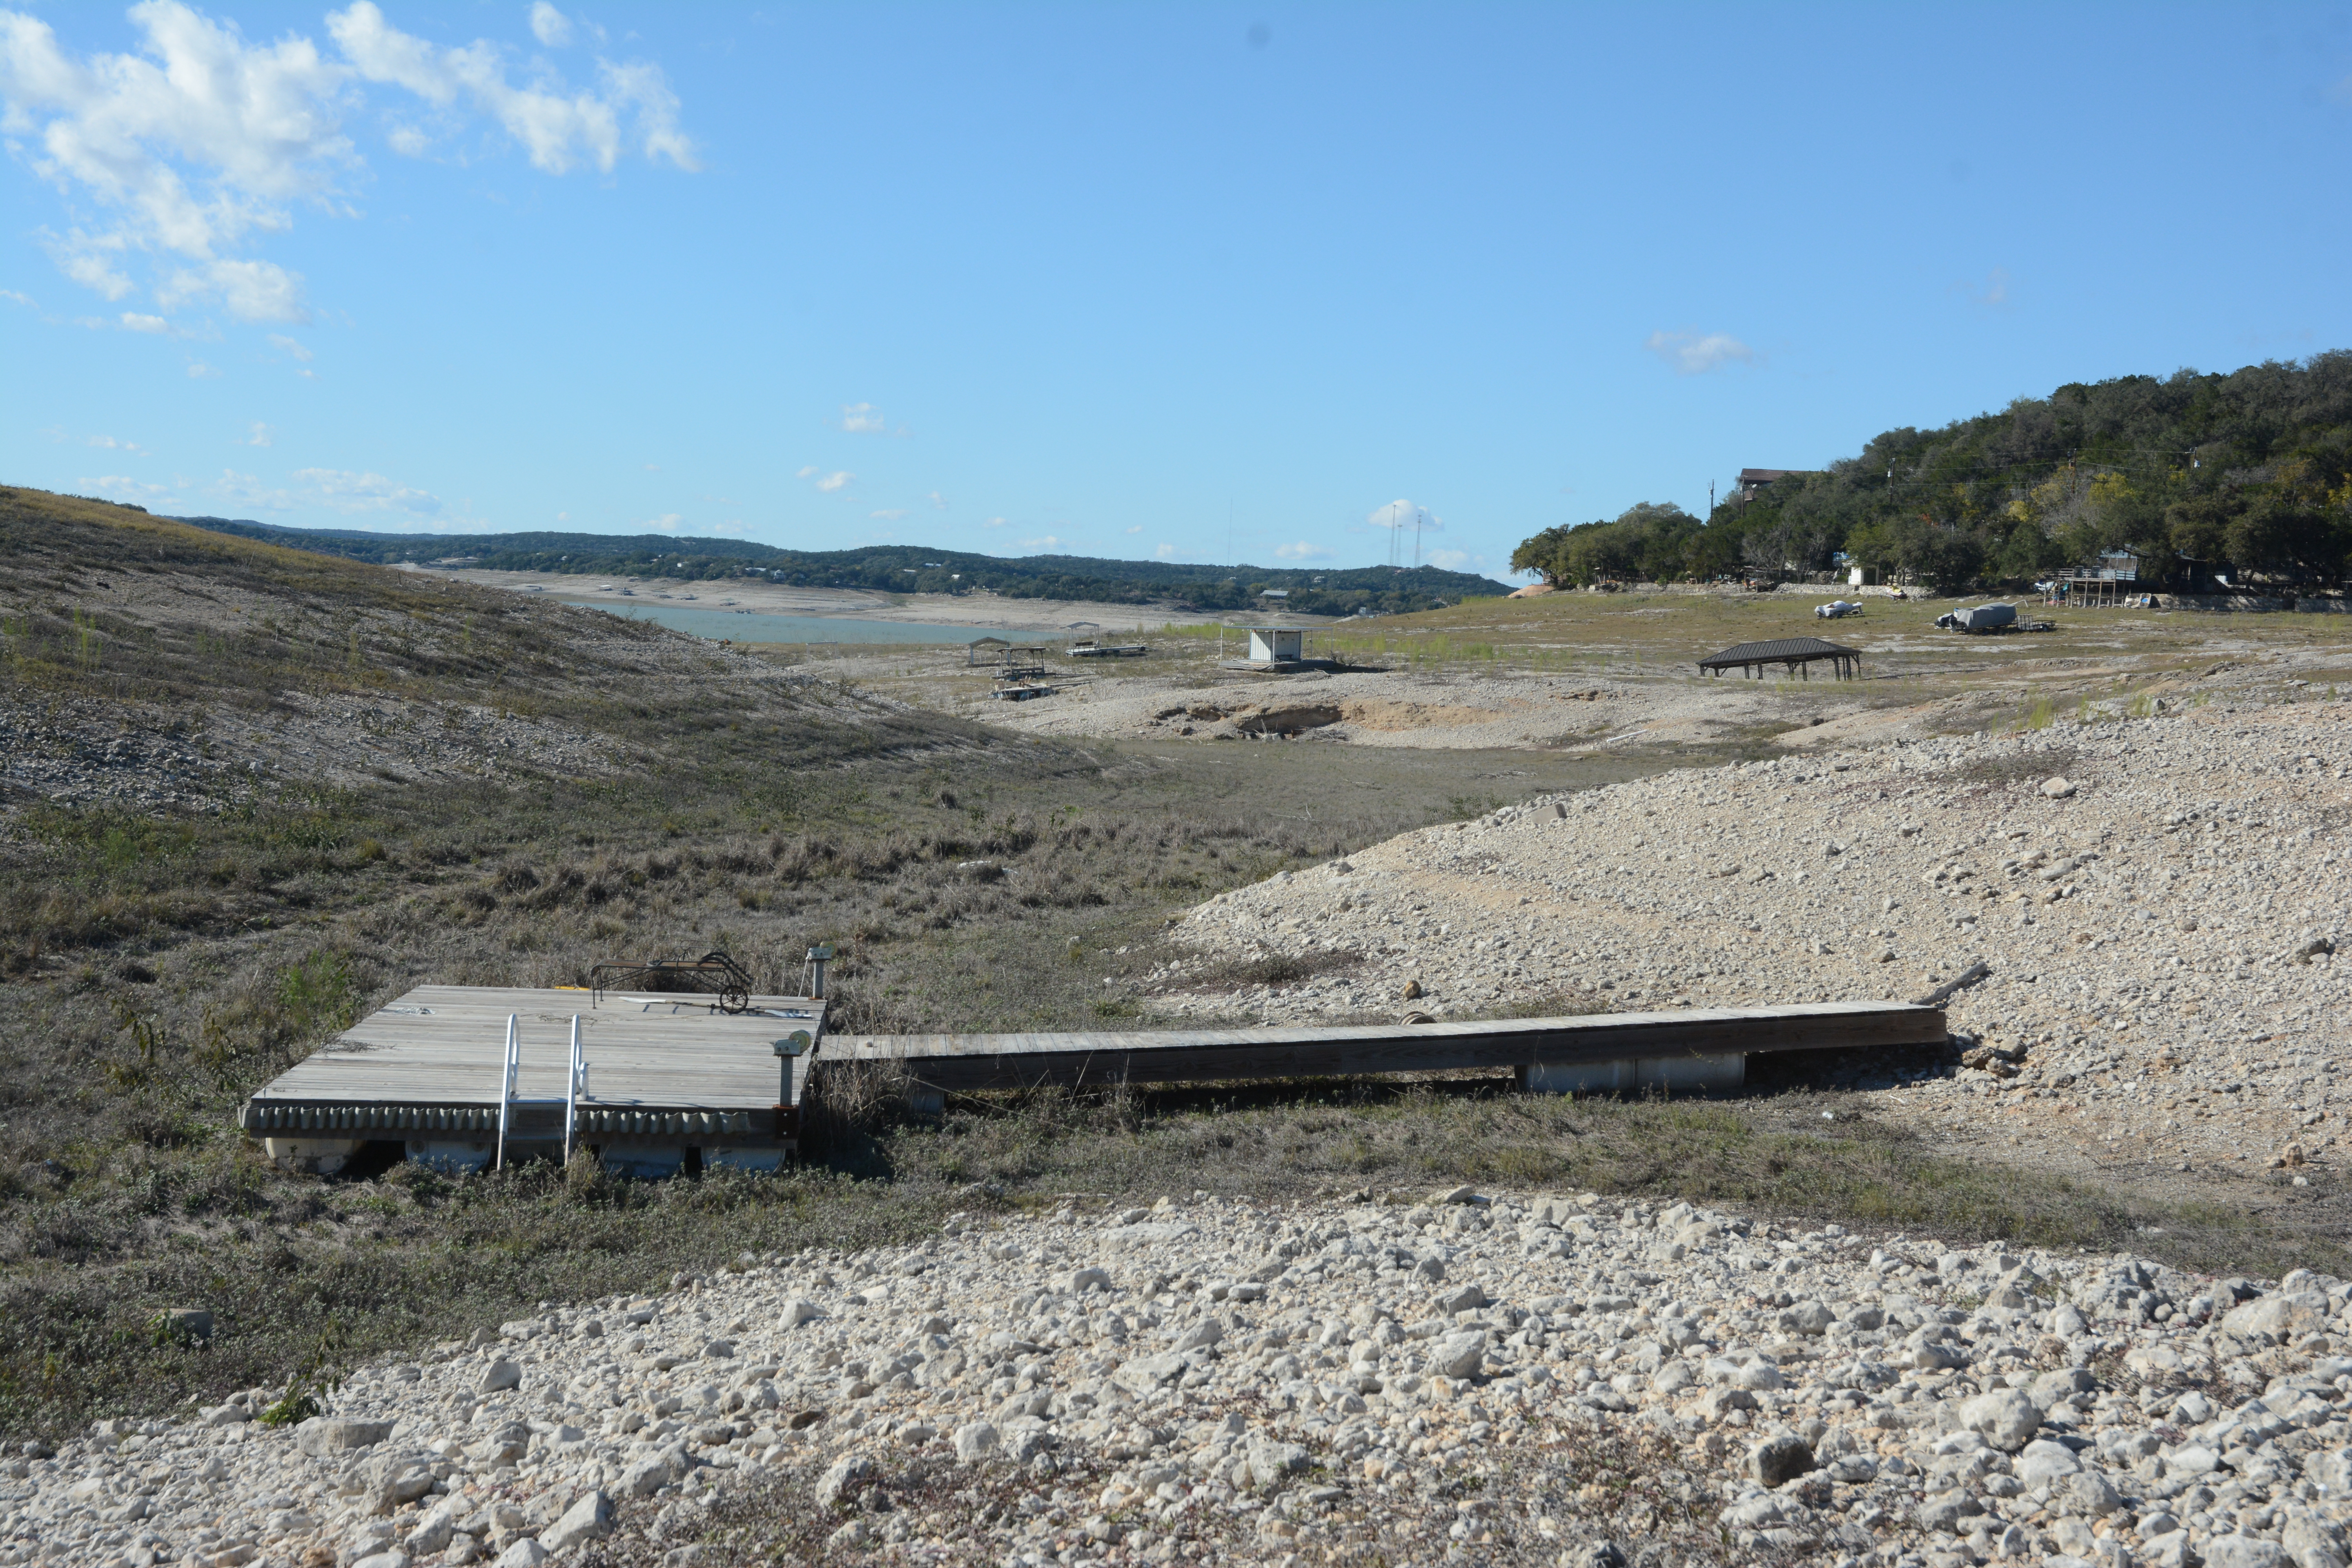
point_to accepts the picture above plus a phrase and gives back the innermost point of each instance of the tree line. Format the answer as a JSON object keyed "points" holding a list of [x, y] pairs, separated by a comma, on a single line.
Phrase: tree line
{"points": [[901, 568], [2243, 478]]}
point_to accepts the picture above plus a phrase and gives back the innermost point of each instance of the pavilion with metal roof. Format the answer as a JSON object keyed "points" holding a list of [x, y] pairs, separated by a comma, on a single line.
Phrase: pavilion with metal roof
{"points": [[1797, 656]]}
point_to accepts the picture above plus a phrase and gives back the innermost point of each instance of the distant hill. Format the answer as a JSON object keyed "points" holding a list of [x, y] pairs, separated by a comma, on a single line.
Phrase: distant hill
{"points": [[896, 568], [2245, 475]]}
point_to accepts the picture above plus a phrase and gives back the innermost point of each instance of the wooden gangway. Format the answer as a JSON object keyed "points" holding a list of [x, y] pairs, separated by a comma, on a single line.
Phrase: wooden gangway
{"points": [[1692, 1046]]}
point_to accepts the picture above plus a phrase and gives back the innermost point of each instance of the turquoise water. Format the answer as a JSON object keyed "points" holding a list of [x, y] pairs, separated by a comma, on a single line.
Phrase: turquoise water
{"points": [[728, 624]]}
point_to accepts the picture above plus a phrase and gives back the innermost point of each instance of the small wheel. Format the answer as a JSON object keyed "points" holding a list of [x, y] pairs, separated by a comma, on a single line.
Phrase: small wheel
{"points": [[734, 1001]]}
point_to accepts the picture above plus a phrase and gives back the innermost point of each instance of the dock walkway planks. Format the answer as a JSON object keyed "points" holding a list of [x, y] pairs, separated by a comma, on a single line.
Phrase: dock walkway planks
{"points": [[440, 1048], [973, 1062]]}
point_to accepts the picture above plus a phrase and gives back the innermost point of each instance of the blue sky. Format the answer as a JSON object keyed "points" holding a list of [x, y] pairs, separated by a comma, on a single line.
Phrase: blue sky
{"points": [[1197, 281]]}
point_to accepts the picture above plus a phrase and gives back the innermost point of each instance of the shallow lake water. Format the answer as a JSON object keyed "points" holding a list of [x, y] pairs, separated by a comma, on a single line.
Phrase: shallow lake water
{"points": [[739, 625]]}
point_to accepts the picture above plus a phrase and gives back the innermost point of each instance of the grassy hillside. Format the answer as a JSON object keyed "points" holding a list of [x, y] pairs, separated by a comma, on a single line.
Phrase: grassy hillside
{"points": [[902, 568]]}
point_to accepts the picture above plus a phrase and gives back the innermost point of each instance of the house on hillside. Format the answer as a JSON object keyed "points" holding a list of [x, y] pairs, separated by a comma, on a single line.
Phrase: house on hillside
{"points": [[2106, 579], [1753, 481]]}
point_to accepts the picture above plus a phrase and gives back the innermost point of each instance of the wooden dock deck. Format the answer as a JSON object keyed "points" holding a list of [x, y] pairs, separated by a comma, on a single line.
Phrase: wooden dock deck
{"points": [[1692, 1047], [665, 1071]]}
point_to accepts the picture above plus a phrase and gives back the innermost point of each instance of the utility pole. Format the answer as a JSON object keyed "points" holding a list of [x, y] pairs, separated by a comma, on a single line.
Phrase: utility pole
{"points": [[1418, 514]]}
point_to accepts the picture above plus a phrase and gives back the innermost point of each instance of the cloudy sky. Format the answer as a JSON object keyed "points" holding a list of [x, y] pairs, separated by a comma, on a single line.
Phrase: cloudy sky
{"points": [[1192, 281]]}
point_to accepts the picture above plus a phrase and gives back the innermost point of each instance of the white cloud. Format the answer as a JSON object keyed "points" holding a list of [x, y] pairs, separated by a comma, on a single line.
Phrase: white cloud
{"points": [[1046, 542], [261, 436], [939, 502], [557, 126], [408, 141], [124, 487], [1455, 560], [252, 291], [993, 522], [133, 321], [247, 493], [13, 298], [1137, 528], [347, 491], [828, 483], [199, 141], [1694, 353], [1301, 550], [668, 522], [84, 257], [550, 26], [1165, 552], [1992, 291], [891, 516], [200, 370], [1400, 513], [115, 443], [191, 146], [285, 344], [863, 419]]}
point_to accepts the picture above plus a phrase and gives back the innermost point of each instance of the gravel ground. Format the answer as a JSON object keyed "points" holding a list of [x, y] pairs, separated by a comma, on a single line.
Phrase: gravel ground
{"points": [[1464, 1377], [2158, 923], [1403, 709]]}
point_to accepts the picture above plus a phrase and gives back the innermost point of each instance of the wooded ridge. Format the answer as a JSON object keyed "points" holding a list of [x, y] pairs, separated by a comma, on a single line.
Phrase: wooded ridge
{"points": [[898, 568], [2240, 476]]}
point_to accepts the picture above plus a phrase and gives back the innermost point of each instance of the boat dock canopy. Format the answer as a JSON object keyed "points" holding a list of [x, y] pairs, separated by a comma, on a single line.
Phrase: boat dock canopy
{"points": [[1793, 653]]}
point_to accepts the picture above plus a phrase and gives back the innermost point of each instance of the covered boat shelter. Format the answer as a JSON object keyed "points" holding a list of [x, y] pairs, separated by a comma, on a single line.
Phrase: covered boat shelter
{"points": [[1796, 656]]}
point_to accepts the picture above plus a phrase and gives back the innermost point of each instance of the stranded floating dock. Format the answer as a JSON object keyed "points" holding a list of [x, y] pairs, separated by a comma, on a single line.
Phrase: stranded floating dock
{"points": [[661, 1082], [661, 1074]]}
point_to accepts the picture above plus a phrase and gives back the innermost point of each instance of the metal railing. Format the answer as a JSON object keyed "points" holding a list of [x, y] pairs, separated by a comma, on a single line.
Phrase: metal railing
{"points": [[575, 1087]]}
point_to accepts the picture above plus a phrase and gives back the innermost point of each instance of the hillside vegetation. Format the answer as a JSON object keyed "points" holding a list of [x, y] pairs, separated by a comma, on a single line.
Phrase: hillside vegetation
{"points": [[901, 569], [2244, 476]]}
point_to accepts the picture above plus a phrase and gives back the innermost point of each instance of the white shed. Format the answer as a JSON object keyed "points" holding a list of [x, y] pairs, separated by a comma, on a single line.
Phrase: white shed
{"points": [[1270, 644]]}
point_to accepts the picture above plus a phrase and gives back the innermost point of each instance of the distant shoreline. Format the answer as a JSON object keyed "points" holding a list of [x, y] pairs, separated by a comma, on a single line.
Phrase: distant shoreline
{"points": [[982, 611]]}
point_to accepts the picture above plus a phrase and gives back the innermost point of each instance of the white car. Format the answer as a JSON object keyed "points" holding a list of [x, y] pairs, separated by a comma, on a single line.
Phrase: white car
{"points": [[1837, 610]]}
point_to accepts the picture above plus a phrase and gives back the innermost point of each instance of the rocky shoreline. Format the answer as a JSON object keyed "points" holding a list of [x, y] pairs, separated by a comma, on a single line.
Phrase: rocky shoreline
{"points": [[2157, 903], [1433, 1376]]}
